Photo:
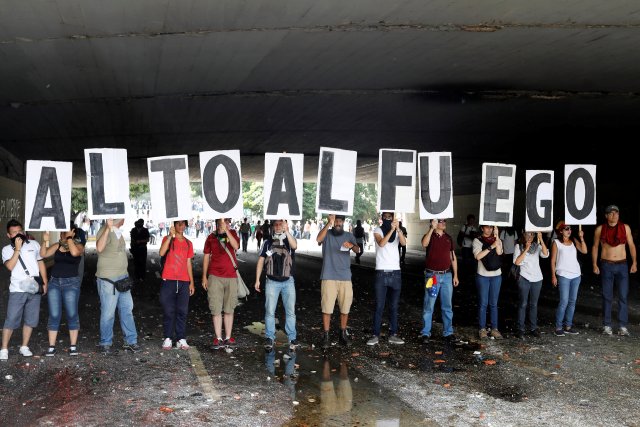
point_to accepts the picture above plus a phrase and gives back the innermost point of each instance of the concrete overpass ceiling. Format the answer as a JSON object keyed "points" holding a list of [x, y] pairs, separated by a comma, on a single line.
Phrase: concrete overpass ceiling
{"points": [[486, 82]]}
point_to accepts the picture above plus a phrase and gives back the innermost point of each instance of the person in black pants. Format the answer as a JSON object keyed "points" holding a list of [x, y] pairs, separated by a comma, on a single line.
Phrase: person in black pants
{"points": [[139, 239], [402, 249]]}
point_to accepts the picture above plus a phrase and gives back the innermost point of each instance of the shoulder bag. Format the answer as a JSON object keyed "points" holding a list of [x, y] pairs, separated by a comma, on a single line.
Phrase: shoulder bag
{"points": [[243, 291]]}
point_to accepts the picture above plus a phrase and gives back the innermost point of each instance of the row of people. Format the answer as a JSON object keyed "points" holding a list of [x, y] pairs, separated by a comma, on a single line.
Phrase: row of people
{"points": [[219, 279], [609, 260]]}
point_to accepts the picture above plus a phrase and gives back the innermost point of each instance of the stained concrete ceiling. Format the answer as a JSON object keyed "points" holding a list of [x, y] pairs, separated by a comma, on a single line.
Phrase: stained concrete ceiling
{"points": [[538, 84]]}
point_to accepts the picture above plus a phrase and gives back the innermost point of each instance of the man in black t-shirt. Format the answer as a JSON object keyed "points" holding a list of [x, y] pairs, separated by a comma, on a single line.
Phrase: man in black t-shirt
{"points": [[139, 239]]}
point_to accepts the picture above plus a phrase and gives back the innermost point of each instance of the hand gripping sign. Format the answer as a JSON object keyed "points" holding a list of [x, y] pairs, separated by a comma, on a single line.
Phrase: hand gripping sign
{"points": [[48, 196]]}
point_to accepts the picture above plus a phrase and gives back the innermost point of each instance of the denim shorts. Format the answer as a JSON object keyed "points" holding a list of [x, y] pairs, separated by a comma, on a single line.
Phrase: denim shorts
{"points": [[22, 304]]}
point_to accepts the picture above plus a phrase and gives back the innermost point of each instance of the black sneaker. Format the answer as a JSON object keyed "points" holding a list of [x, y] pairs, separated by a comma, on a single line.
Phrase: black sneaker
{"points": [[451, 339], [535, 333], [73, 350], [571, 331], [558, 333], [426, 339], [268, 344], [326, 340], [51, 352], [133, 348], [105, 349], [345, 339], [519, 335], [293, 345]]}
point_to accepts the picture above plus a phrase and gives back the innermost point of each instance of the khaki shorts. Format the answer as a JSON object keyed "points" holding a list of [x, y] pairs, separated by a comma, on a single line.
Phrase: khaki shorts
{"points": [[222, 294], [342, 290]]}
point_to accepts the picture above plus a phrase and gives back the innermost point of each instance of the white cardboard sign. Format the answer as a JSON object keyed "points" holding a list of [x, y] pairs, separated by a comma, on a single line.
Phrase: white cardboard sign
{"points": [[48, 196]]}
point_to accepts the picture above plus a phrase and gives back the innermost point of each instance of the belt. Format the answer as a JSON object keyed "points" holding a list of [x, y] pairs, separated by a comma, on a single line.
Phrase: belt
{"points": [[620, 261], [448, 270]]}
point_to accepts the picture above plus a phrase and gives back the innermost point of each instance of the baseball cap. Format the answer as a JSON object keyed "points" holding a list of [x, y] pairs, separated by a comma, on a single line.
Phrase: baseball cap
{"points": [[342, 217], [611, 208]]}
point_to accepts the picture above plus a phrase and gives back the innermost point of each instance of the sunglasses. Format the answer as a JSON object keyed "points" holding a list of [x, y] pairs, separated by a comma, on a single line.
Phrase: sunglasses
{"points": [[567, 228], [442, 221]]}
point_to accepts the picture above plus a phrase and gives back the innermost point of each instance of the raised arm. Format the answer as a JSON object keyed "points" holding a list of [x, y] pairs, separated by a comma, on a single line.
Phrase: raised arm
{"points": [[427, 237], [594, 249], [323, 233]]}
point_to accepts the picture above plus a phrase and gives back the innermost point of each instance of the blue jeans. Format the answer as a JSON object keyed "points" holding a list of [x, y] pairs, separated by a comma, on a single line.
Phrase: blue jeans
{"points": [[610, 274], [568, 289], [488, 293], [445, 289], [288, 291], [528, 294], [109, 301], [387, 285], [174, 298], [63, 291]]}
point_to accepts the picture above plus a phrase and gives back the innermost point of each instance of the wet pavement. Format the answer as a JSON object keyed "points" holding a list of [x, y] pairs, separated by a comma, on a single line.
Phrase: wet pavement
{"points": [[588, 379]]}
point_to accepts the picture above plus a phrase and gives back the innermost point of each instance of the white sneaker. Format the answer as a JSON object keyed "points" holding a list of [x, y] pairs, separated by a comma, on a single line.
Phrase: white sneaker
{"points": [[373, 340], [4, 354], [623, 331], [167, 344], [182, 344], [607, 330], [24, 350]]}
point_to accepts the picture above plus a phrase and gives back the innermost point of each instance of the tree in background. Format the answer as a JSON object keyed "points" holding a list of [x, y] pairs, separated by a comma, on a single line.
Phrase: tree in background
{"points": [[253, 197], [365, 206], [78, 201]]}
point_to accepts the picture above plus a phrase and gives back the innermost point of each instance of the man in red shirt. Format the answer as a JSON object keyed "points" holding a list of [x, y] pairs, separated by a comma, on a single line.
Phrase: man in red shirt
{"points": [[441, 266], [220, 279], [177, 284]]}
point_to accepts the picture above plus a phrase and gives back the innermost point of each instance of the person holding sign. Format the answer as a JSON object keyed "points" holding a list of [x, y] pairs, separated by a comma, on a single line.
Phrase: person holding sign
{"points": [[565, 275], [22, 258], [527, 255], [441, 267], [277, 259], [64, 286], [220, 279], [487, 249], [112, 265], [177, 284], [388, 276], [612, 237], [336, 275]]}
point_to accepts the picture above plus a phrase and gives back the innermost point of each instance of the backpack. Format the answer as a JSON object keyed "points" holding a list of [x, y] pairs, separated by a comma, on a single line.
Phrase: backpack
{"points": [[280, 263], [492, 261], [163, 259]]}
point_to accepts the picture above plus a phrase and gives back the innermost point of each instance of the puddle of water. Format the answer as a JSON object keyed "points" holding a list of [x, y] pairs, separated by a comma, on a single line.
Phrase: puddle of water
{"points": [[329, 392]]}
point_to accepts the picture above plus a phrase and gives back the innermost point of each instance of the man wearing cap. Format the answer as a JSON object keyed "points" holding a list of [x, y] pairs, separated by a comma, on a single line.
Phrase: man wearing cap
{"points": [[336, 275], [611, 237], [440, 264], [139, 239]]}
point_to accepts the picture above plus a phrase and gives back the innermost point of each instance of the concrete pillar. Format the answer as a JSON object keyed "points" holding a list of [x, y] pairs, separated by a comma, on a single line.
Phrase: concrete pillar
{"points": [[462, 206]]}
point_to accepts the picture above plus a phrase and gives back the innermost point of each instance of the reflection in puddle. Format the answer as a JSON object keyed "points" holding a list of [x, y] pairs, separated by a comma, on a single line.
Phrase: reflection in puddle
{"points": [[330, 392]]}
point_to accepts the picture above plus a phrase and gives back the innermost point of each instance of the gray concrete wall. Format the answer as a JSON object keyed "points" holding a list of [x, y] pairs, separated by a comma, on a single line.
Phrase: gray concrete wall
{"points": [[11, 201]]}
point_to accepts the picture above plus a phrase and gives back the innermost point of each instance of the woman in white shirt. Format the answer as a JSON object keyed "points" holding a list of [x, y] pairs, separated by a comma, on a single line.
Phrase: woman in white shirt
{"points": [[566, 275], [527, 255], [487, 249]]}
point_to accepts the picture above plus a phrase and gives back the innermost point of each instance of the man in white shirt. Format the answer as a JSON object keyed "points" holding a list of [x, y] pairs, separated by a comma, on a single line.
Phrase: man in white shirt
{"points": [[388, 276], [22, 258]]}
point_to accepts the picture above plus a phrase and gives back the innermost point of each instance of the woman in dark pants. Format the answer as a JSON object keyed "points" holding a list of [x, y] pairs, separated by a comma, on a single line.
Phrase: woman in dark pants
{"points": [[527, 255]]}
